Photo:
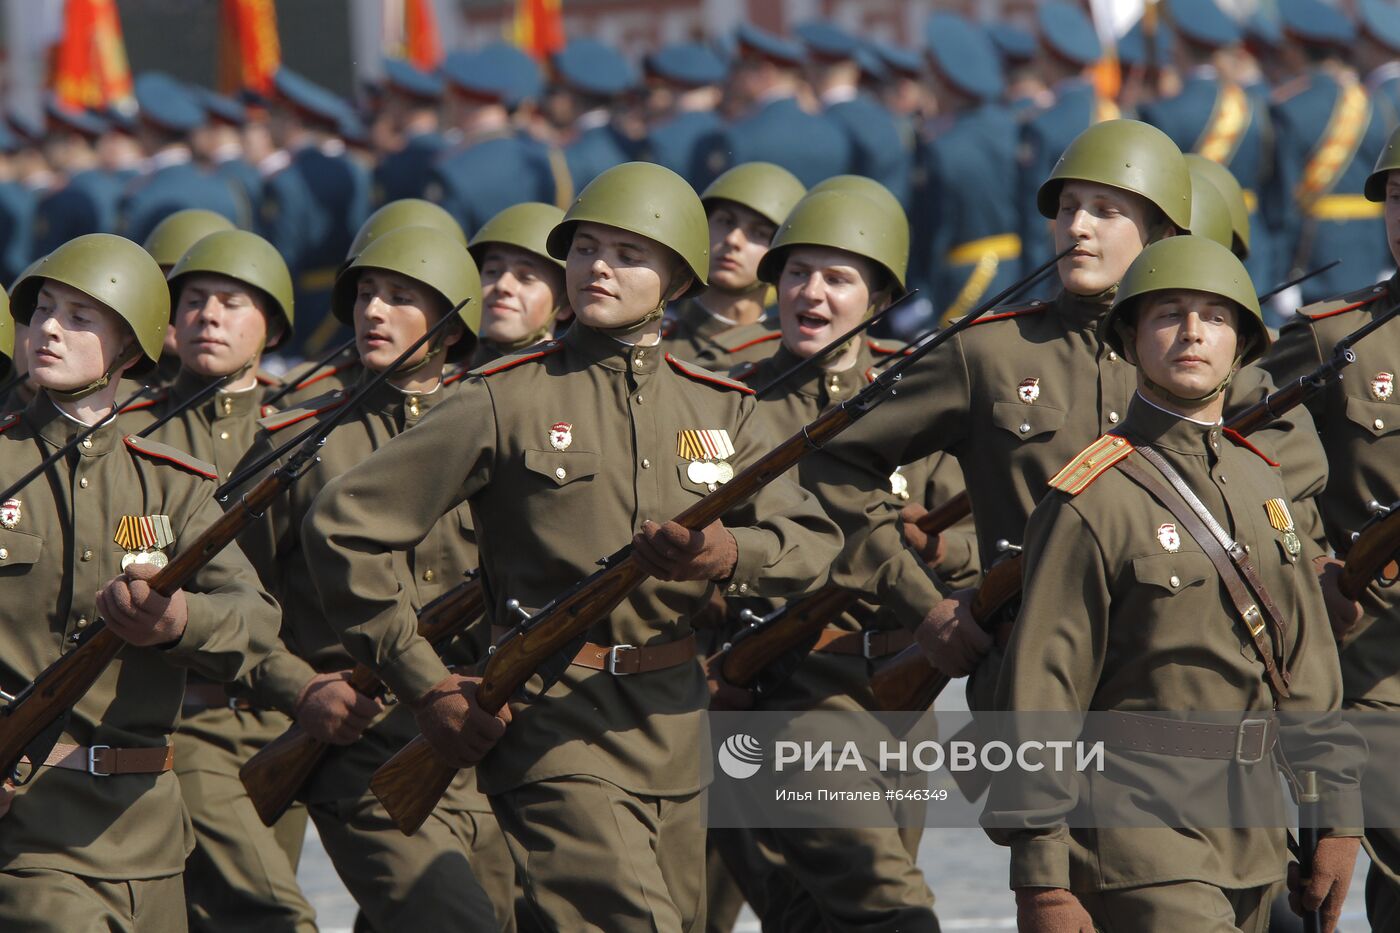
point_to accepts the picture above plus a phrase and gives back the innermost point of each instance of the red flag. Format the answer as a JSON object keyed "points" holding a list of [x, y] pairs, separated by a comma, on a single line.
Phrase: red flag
{"points": [[90, 69], [539, 27], [249, 51], [422, 47]]}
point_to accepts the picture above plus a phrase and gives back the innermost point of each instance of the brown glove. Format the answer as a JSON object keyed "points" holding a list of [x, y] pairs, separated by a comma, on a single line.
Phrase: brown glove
{"points": [[674, 552], [332, 711], [138, 614], [951, 638], [458, 729], [1051, 910], [931, 549], [1326, 890], [1342, 612]]}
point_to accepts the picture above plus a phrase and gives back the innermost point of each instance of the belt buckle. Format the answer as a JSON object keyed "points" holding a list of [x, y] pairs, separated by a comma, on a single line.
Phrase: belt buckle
{"points": [[865, 647], [92, 760], [1254, 620], [612, 659], [1240, 756]]}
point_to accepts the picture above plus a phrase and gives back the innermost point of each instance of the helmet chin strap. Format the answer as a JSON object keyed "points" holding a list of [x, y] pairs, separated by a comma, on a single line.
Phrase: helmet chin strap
{"points": [[1210, 396], [97, 385], [627, 330], [437, 345]]}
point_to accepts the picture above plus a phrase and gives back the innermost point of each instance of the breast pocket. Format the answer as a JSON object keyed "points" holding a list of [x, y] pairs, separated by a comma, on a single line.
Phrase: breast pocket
{"points": [[1375, 418], [1027, 421], [1169, 574], [561, 468], [18, 549]]}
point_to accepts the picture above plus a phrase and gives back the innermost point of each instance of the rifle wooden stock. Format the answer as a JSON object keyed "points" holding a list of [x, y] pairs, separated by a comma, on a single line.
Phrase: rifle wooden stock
{"points": [[1372, 555], [939, 519], [276, 774], [64, 682], [1272, 407], [907, 681]]}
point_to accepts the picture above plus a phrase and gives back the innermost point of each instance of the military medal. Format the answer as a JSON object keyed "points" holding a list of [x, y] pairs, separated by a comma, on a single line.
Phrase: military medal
{"points": [[561, 435], [899, 484], [1281, 520], [1029, 390], [1168, 537], [725, 471], [10, 513], [143, 537], [708, 451], [1382, 385]]}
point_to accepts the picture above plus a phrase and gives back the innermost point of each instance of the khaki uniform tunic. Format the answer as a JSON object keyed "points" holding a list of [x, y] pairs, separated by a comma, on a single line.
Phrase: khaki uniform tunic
{"points": [[730, 346]]}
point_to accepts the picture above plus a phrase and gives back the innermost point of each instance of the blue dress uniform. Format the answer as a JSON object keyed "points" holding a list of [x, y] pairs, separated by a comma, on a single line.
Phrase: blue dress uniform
{"points": [[88, 202], [173, 181], [1328, 136], [1381, 23], [592, 69], [1066, 33], [778, 130], [492, 172], [1220, 120], [692, 143], [403, 174], [1016, 49], [232, 166], [876, 150], [312, 208], [965, 225], [16, 216]]}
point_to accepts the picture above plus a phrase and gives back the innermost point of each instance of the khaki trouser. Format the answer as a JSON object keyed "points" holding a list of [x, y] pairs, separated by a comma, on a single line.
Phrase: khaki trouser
{"points": [[242, 874], [436, 879], [592, 856], [1180, 906], [39, 900]]}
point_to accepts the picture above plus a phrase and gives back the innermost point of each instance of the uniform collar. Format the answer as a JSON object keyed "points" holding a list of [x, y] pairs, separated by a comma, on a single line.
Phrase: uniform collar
{"points": [[1152, 424], [58, 429], [826, 388], [610, 352], [224, 404], [1083, 311], [406, 408], [701, 321]]}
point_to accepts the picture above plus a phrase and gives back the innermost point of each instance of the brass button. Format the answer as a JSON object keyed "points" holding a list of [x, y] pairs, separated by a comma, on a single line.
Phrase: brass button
{"points": [[1222, 478], [1113, 357], [1118, 442], [743, 587], [1113, 417], [1380, 425], [223, 435], [87, 553], [82, 622], [1024, 427], [559, 472], [87, 442], [711, 487], [4, 553], [733, 587], [639, 400], [414, 407], [646, 464], [1175, 580], [428, 575], [83, 482]]}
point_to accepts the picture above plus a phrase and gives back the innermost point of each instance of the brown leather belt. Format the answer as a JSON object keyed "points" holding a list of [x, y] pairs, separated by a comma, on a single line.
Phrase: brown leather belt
{"points": [[869, 644], [200, 697], [1247, 742], [104, 760], [631, 659]]}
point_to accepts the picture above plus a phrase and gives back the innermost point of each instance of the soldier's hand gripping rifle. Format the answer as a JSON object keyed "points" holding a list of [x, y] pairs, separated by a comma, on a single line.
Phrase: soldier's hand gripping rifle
{"points": [[412, 782], [32, 721], [908, 682], [1373, 551], [280, 769]]}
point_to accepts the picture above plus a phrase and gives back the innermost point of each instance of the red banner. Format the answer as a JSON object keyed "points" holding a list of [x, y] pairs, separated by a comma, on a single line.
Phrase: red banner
{"points": [[90, 67], [539, 27], [422, 46], [249, 51]]}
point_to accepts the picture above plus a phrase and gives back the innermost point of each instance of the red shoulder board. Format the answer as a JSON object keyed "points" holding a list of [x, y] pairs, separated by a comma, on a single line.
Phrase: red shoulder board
{"points": [[1091, 463], [1240, 441], [164, 453], [146, 403], [1319, 310], [745, 342], [267, 411], [1006, 314], [277, 420], [9, 421], [547, 348], [317, 375], [744, 371], [458, 376], [704, 375], [881, 348]]}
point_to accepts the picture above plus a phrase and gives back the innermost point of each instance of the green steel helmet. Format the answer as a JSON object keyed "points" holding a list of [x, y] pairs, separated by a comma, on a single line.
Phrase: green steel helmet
{"points": [[405, 212], [648, 200], [1125, 154], [859, 184], [1229, 187], [170, 238], [847, 221], [111, 270], [1388, 162], [248, 258], [426, 255], [762, 187], [1197, 263], [1210, 216], [7, 328], [525, 226]]}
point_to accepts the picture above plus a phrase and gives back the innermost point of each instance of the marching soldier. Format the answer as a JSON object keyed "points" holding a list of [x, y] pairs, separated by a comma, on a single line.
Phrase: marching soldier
{"points": [[522, 285], [232, 297], [168, 241], [1358, 425], [99, 836], [451, 872], [411, 99], [1117, 585], [87, 200], [744, 207], [594, 431], [219, 144], [691, 138]]}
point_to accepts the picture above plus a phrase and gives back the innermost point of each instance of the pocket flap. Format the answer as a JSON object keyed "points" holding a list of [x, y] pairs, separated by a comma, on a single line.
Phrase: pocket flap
{"points": [[1173, 573], [1026, 421], [1380, 418], [562, 467], [16, 547]]}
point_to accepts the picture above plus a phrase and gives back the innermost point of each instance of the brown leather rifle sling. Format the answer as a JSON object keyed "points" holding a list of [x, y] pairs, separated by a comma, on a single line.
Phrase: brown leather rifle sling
{"points": [[1228, 555]]}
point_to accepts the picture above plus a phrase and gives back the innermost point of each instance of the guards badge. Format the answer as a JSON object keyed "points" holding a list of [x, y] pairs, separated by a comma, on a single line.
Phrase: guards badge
{"points": [[561, 435], [144, 537], [1168, 537], [1382, 385], [1029, 390], [9, 513]]}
